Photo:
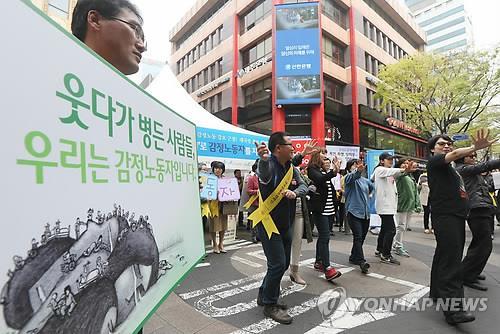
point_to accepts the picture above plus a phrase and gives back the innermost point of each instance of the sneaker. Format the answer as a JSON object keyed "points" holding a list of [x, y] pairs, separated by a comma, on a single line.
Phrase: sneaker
{"points": [[319, 267], [427, 231], [277, 314], [377, 253], [408, 228], [364, 266], [402, 252], [331, 274], [389, 259]]}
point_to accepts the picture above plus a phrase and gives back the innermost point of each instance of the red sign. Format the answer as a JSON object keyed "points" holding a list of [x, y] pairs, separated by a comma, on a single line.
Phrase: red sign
{"points": [[298, 145], [396, 123]]}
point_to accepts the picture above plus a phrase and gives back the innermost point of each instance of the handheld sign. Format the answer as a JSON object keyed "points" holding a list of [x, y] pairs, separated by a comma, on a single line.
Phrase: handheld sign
{"points": [[99, 186], [228, 189], [209, 184]]}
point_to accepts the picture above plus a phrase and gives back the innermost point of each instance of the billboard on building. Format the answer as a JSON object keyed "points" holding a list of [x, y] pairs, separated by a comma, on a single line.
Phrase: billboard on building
{"points": [[298, 54]]}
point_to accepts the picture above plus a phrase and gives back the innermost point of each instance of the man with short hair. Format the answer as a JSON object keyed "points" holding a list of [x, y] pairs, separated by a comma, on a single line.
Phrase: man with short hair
{"points": [[113, 29], [276, 174], [449, 202]]}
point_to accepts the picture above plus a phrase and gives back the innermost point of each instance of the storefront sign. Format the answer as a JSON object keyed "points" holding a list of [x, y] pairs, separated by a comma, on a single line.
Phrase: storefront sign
{"points": [[100, 181], [213, 85], [298, 53], [396, 123], [254, 65], [374, 81]]}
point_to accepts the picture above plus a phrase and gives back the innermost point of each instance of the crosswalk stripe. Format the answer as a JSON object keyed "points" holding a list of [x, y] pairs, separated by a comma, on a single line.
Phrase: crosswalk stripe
{"points": [[245, 261]]}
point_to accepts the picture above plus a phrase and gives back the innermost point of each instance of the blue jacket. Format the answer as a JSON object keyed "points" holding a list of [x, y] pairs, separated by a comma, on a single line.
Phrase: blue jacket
{"points": [[357, 191]]}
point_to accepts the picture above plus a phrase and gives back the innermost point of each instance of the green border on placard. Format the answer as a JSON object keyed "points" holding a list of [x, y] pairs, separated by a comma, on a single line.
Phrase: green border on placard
{"points": [[102, 60]]}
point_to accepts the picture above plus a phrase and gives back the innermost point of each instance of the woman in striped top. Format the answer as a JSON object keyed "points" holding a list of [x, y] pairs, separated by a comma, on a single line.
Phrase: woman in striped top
{"points": [[321, 171]]}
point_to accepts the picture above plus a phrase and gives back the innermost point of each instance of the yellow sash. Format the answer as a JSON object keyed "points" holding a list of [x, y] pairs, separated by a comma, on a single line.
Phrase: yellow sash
{"points": [[251, 200], [263, 213]]}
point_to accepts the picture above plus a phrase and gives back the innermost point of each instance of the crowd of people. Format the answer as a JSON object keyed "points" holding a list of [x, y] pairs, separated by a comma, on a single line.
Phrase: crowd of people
{"points": [[287, 199]]}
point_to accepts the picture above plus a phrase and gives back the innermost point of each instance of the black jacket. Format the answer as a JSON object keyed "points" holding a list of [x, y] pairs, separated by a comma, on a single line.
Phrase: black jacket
{"points": [[318, 202], [476, 185], [270, 173]]}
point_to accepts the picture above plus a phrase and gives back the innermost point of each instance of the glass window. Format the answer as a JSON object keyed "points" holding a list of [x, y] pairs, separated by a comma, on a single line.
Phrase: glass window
{"points": [[268, 44], [252, 55], [212, 72], [220, 69], [205, 76], [209, 43], [219, 102], [258, 91], [261, 51]]}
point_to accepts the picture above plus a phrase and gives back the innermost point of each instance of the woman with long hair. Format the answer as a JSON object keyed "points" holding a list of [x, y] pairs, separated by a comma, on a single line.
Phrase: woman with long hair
{"points": [[321, 171]]}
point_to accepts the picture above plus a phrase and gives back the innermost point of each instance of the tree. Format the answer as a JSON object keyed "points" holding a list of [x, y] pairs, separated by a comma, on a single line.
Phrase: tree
{"points": [[438, 91]]}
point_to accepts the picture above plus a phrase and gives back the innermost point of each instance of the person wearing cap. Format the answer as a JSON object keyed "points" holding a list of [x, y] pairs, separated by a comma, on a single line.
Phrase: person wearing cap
{"points": [[217, 222], [449, 204], [357, 191], [386, 203]]}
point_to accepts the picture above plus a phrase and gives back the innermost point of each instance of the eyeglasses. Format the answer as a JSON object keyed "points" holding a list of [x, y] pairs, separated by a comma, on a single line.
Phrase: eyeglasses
{"points": [[139, 33], [445, 143]]}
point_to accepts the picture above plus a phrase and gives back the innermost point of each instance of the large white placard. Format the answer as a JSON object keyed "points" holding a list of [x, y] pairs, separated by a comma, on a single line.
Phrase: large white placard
{"points": [[99, 192]]}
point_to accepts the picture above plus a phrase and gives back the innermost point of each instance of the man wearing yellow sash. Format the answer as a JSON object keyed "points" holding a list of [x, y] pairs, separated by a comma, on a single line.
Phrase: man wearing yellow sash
{"points": [[274, 217]]}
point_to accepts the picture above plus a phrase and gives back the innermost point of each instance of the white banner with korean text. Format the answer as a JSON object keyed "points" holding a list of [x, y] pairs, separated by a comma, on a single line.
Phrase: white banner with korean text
{"points": [[100, 191]]}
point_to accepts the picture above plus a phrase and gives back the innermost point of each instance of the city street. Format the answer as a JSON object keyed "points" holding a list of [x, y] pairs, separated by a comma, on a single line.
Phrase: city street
{"points": [[219, 296]]}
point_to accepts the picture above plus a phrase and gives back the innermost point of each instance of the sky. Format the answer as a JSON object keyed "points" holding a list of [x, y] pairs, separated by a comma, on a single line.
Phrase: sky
{"points": [[161, 15]]}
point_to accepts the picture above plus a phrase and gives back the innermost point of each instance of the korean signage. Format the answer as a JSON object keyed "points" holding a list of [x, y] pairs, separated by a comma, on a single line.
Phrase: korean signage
{"points": [[396, 123], [298, 53], [218, 144], [344, 153], [209, 186], [228, 189], [213, 85], [260, 62], [101, 185]]}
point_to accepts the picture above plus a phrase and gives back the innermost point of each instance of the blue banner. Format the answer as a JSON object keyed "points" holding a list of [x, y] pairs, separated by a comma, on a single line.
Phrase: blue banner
{"points": [[298, 54], [226, 144], [372, 160]]}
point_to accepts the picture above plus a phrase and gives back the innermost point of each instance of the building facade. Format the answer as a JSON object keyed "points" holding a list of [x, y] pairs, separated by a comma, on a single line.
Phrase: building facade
{"points": [[222, 53], [446, 22], [60, 11]]}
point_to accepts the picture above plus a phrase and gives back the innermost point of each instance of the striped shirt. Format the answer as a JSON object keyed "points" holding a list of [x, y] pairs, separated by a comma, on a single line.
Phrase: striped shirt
{"points": [[329, 209]]}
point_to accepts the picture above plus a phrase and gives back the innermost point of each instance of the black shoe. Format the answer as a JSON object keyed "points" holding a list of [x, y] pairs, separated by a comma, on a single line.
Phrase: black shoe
{"points": [[332, 234], [277, 314], [476, 286], [481, 277], [459, 318], [364, 267], [254, 240]]}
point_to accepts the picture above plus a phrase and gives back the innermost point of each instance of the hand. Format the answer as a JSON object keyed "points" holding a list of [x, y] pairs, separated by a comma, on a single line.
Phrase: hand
{"points": [[410, 167], [262, 151], [481, 139], [360, 166], [289, 194], [310, 148], [337, 162]]}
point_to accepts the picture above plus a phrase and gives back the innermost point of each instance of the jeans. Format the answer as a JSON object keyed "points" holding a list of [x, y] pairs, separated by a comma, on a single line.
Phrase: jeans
{"points": [[323, 242], [359, 228], [277, 251], [386, 235], [427, 214]]}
